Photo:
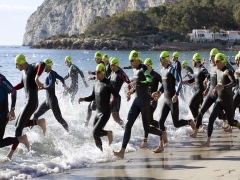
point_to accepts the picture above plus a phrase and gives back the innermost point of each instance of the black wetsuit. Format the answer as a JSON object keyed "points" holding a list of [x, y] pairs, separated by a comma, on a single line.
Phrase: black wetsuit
{"points": [[73, 74], [31, 90], [199, 76], [190, 72], [156, 79], [141, 104], [92, 105], [108, 70], [211, 98], [225, 98], [101, 93], [117, 79], [5, 89], [169, 78], [51, 101], [236, 102]]}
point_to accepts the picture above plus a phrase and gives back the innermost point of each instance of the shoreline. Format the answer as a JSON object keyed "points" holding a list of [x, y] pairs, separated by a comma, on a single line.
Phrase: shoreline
{"points": [[180, 160]]}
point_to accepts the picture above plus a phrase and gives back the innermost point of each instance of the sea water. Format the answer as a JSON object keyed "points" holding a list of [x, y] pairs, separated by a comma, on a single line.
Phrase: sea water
{"points": [[59, 150]]}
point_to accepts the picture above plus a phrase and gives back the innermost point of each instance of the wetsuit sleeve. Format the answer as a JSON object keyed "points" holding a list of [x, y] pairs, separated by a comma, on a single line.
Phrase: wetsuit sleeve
{"points": [[125, 78], [159, 77], [127, 67], [10, 89], [91, 97], [176, 75], [79, 72], [231, 77], [148, 81], [19, 86], [205, 72], [68, 74], [191, 80], [41, 67], [117, 98], [60, 78], [51, 81]]}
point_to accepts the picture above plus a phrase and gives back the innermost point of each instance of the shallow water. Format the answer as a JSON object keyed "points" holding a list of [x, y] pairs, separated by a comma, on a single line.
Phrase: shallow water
{"points": [[59, 150]]}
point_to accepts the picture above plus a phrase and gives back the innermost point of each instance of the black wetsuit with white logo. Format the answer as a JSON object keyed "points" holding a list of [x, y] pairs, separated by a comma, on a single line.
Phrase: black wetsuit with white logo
{"points": [[101, 93], [224, 101], [141, 104]]}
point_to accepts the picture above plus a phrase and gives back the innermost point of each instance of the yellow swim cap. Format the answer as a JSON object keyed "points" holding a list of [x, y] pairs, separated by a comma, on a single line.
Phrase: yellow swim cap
{"points": [[48, 62], [197, 57], [175, 54], [164, 55], [98, 55], [213, 52], [114, 61], [68, 59], [148, 62], [105, 57], [236, 57], [134, 55], [20, 59], [221, 57], [101, 68], [185, 63]]}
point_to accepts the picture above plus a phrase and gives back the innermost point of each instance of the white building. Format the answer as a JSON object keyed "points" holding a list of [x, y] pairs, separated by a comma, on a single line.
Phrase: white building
{"points": [[204, 35]]}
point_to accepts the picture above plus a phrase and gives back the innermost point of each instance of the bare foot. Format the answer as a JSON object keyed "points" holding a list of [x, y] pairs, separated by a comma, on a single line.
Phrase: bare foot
{"points": [[229, 129], [110, 137], [194, 134], [207, 144], [42, 124], [24, 140], [143, 144], [201, 129], [121, 123], [119, 154], [164, 138], [192, 124], [225, 124], [10, 154], [159, 149]]}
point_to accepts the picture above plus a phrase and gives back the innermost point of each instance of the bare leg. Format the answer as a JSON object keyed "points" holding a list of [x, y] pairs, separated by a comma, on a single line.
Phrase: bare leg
{"points": [[42, 124], [207, 144], [22, 139], [110, 137], [164, 138], [143, 144], [117, 118], [119, 154], [160, 148]]}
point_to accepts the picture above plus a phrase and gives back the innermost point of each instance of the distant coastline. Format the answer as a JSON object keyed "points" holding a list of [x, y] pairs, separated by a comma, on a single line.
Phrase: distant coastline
{"points": [[103, 44]]}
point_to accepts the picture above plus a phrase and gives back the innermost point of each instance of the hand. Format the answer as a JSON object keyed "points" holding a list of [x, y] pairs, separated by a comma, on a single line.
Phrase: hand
{"points": [[80, 100], [205, 93], [11, 115], [39, 84], [214, 91], [184, 82], [129, 93], [89, 72], [64, 85], [85, 83], [90, 78], [174, 98], [205, 82], [156, 95], [132, 84], [237, 74], [219, 87]]}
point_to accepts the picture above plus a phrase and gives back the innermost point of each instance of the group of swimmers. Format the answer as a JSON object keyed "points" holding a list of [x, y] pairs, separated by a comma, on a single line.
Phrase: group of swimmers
{"points": [[147, 85]]}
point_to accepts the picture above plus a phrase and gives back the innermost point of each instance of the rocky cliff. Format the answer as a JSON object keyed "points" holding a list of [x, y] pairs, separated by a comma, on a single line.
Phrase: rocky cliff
{"points": [[71, 17]]}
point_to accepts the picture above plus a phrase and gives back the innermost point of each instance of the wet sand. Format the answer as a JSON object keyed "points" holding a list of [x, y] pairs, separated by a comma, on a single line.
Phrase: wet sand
{"points": [[180, 160]]}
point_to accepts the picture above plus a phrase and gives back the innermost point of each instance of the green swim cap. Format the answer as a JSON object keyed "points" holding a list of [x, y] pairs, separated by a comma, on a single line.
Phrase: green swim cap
{"points": [[20, 59], [185, 63], [164, 55], [134, 55], [221, 57], [68, 59], [48, 62], [148, 62], [197, 57], [236, 57], [175, 54], [213, 52], [98, 55], [114, 61], [100, 67], [105, 57]]}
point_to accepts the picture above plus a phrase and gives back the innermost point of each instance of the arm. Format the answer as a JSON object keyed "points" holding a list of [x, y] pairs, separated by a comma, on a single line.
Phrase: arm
{"points": [[40, 69], [51, 85], [125, 78], [68, 74], [230, 75], [91, 97], [117, 98], [147, 75], [60, 78]]}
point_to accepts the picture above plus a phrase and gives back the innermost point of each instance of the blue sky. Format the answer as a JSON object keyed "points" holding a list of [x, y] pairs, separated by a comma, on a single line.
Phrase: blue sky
{"points": [[13, 19]]}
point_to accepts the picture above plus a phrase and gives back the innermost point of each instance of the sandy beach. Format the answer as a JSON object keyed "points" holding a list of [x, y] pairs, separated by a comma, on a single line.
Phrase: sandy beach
{"points": [[180, 160]]}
